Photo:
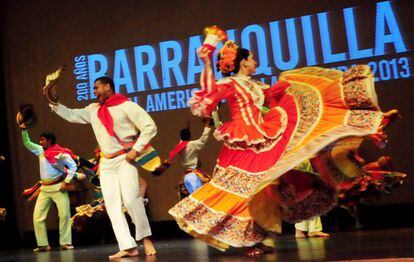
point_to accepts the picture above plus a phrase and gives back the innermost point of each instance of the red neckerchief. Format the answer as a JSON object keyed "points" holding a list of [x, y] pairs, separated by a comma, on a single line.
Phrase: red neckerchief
{"points": [[55, 150], [105, 116], [177, 149]]}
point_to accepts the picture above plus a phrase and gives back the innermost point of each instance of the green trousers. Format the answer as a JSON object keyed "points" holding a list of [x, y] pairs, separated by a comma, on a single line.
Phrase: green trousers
{"points": [[313, 224], [310, 225], [47, 195]]}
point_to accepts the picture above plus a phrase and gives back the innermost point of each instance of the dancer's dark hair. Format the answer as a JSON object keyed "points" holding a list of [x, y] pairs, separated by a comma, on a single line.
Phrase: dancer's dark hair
{"points": [[49, 136], [106, 80]]}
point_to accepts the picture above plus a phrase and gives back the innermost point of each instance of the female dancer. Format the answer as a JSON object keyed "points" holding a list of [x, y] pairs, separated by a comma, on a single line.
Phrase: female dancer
{"points": [[272, 130]]}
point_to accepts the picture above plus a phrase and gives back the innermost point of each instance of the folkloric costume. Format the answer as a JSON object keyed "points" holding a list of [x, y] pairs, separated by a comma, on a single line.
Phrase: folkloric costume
{"points": [[314, 224], [91, 215], [116, 125], [309, 108], [56, 166], [88, 214], [188, 153], [356, 180], [310, 225]]}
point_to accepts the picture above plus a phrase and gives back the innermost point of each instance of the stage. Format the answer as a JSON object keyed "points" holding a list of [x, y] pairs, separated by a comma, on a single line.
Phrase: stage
{"points": [[353, 245], [300, 80]]}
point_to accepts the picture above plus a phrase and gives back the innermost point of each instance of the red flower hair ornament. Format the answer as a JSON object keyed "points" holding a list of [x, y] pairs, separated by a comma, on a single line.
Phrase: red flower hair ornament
{"points": [[227, 56]]}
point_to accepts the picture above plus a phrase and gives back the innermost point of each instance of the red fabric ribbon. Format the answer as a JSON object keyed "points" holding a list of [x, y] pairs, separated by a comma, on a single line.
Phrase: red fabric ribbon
{"points": [[55, 150], [105, 116], [177, 149]]}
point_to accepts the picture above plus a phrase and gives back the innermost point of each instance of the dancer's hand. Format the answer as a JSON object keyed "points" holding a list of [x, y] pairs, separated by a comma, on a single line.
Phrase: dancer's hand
{"points": [[131, 155], [161, 169], [53, 108], [19, 119], [204, 54]]}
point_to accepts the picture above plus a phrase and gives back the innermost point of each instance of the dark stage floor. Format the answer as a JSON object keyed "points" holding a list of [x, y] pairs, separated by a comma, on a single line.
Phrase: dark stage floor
{"points": [[355, 245]]}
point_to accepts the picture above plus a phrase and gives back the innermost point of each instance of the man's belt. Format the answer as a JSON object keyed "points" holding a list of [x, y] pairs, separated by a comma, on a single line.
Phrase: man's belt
{"points": [[148, 158], [53, 182], [116, 154], [127, 146], [32, 192]]}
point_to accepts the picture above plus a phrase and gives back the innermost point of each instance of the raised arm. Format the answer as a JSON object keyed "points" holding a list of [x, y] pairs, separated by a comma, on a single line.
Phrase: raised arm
{"points": [[205, 101], [79, 116], [201, 142], [34, 148], [143, 121]]}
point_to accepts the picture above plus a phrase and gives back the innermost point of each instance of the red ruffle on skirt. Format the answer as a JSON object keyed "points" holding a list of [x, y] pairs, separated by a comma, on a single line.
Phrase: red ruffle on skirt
{"points": [[258, 131]]}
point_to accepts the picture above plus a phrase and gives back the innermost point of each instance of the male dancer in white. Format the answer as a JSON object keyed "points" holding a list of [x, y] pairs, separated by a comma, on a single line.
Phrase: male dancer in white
{"points": [[116, 122]]}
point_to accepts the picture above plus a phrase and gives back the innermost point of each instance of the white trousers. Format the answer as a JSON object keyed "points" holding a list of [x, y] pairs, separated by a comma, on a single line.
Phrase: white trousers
{"points": [[310, 225], [120, 187]]}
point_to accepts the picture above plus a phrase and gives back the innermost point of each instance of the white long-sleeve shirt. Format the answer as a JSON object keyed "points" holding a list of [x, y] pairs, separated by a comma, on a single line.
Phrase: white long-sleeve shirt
{"points": [[129, 120], [49, 172], [189, 156]]}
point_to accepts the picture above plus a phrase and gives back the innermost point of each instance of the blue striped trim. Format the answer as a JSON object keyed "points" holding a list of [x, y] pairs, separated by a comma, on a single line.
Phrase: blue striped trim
{"points": [[145, 159]]}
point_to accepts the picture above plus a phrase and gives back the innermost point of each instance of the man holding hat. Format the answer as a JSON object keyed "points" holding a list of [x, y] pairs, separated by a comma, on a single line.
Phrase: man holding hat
{"points": [[116, 122], [57, 169]]}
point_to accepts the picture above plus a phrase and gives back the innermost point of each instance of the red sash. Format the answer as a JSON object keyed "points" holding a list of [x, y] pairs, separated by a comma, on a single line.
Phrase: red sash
{"points": [[105, 116], [177, 149], [55, 150]]}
